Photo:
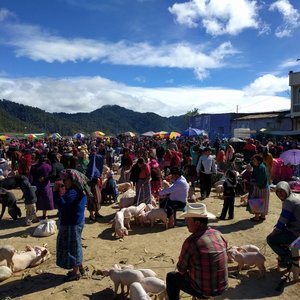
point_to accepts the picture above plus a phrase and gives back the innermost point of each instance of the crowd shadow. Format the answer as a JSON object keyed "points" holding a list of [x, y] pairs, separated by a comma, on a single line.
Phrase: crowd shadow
{"points": [[26, 286], [233, 227], [25, 232]]}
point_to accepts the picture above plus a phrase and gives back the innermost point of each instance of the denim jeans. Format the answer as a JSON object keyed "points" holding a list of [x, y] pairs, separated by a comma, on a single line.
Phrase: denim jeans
{"points": [[279, 242], [177, 282]]}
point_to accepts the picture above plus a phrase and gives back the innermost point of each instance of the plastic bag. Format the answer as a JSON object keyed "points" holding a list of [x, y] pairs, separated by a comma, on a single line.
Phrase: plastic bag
{"points": [[45, 228]]}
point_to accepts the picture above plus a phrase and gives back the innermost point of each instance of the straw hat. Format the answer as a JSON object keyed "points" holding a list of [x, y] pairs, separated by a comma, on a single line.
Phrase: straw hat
{"points": [[197, 210]]}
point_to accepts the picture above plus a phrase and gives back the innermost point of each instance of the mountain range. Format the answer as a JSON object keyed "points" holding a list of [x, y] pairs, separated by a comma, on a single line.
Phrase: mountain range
{"points": [[111, 119]]}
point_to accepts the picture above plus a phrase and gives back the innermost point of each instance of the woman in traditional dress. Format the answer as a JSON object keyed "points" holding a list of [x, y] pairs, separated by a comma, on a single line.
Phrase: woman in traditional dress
{"points": [[38, 177], [70, 198], [143, 190], [260, 195]]}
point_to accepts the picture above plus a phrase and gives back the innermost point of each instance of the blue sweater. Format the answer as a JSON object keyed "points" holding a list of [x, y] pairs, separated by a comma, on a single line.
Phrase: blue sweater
{"points": [[70, 206]]}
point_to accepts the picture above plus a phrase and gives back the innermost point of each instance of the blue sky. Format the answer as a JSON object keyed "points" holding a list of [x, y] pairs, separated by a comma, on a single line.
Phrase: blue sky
{"points": [[161, 56]]}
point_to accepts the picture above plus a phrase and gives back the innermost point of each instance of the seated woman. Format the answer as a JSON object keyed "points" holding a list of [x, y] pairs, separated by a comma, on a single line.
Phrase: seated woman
{"points": [[287, 228]]}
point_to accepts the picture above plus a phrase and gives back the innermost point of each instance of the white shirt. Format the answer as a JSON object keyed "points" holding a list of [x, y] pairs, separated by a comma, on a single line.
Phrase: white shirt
{"points": [[178, 190]]}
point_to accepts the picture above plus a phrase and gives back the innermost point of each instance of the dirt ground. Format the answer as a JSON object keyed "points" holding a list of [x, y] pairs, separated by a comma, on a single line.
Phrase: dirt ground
{"points": [[145, 247]]}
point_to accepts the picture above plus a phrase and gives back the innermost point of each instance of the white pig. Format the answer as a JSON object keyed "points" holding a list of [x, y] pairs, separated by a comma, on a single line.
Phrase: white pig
{"points": [[155, 286], [156, 214], [123, 277], [137, 292], [250, 259]]}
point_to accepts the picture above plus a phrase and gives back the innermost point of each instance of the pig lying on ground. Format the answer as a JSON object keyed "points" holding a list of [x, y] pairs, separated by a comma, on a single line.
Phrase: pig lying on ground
{"points": [[155, 286], [123, 277], [248, 258], [31, 257], [6, 255], [123, 187], [137, 292], [127, 199]]}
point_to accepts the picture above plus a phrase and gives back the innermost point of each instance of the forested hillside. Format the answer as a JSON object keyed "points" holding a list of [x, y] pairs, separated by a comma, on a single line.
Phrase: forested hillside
{"points": [[111, 119]]}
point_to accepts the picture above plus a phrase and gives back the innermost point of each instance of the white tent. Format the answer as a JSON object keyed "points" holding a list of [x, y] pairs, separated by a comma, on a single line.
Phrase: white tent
{"points": [[148, 133]]}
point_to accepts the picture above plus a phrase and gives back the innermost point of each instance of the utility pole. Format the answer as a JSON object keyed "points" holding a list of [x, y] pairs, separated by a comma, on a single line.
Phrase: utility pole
{"points": [[237, 109]]}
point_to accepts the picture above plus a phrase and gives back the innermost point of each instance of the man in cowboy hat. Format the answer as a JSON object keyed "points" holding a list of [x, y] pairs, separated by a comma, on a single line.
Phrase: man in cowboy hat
{"points": [[202, 264]]}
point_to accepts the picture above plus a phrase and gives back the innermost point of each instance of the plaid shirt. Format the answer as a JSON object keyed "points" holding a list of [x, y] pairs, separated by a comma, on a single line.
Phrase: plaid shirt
{"points": [[203, 259]]}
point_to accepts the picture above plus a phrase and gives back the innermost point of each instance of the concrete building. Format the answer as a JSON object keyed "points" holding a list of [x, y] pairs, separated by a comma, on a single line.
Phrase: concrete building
{"points": [[294, 82]]}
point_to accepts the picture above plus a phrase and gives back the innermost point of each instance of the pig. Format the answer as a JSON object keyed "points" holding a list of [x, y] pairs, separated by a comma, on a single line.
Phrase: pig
{"points": [[127, 199], [155, 286], [248, 258], [242, 249], [6, 254], [156, 214], [123, 187], [31, 257], [120, 229], [123, 277], [137, 292], [146, 272]]}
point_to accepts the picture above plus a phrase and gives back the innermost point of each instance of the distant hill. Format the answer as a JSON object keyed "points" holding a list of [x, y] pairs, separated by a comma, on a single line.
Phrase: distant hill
{"points": [[111, 119]]}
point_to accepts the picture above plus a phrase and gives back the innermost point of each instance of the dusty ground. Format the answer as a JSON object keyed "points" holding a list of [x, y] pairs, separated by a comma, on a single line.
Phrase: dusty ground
{"points": [[153, 248]]}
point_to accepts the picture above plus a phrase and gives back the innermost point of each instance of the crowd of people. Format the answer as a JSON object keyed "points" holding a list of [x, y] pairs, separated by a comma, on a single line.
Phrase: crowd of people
{"points": [[68, 176]]}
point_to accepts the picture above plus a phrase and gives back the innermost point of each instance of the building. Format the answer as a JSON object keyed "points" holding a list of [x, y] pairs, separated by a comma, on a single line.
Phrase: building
{"points": [[294, 83]]}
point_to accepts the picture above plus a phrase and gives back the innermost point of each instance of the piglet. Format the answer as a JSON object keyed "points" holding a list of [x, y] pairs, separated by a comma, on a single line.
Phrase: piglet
{"points": [[31, 257], [157, 214], [123, 277], [120, 229], [155, 286], [137, 292], [248, 258]]}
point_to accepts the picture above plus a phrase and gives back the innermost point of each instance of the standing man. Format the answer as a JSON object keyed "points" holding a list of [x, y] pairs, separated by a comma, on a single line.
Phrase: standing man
{"points": [[205, 168], [202, 264]]}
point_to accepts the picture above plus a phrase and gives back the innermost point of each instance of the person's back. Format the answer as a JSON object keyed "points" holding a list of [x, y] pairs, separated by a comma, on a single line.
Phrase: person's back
{"points": [[202, 264]]}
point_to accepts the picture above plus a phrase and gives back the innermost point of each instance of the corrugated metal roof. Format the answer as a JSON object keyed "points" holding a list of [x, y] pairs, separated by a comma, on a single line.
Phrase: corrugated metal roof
{"points": [[259, 116]]}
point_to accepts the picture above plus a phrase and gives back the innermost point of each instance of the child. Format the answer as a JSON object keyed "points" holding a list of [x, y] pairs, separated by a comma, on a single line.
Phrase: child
{"points": [[110, 186], [229, 186], [30, 202]]}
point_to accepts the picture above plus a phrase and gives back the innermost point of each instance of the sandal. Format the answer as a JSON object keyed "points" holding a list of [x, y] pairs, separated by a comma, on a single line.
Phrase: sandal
{"points": [[71, 276], [81, 270], [254, 219]]}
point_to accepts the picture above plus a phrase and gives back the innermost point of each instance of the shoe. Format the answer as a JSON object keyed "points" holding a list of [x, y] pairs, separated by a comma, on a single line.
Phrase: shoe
{"points": [[254, 220], [81, 270], [221, 218], [93, 219], [262, 218], [230, 218], [71, 276]]}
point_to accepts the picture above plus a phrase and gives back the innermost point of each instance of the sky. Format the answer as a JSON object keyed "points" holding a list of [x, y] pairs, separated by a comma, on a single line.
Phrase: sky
{"points": [[162, 56]]}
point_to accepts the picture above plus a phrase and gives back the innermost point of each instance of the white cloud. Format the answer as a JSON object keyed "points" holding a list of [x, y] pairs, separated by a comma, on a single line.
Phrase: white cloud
{"points": [[291, 18], [39, 45], [217, 17], [85, 94], [267, 85]]}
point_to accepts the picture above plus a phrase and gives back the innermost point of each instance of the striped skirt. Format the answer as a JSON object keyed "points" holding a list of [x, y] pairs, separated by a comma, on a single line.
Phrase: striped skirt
{"points": [[69, 247], [264, 196]]}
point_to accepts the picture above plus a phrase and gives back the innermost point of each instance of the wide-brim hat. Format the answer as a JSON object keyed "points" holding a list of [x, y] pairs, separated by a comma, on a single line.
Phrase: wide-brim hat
{"points": [[197, 210]]}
